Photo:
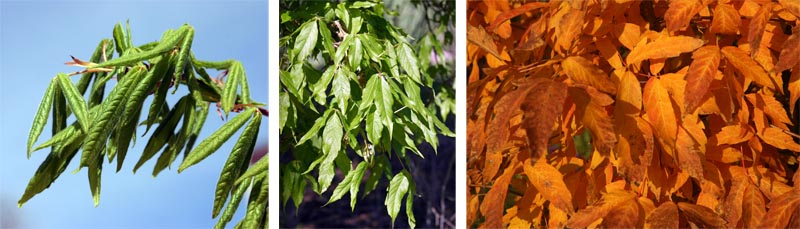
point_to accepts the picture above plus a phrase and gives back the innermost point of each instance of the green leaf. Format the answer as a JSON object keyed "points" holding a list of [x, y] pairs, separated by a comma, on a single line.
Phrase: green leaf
{"points": [[331, 146], [384, 103], [408, 61], [166, 44], [322, 85], [120, 39], [306, 41], [355, 53], [213, 142], [327, 40], [231, 169], [284, 107], [233, 204], [163, 132], [412, 222], [398, 188], [48, 171], [260, 167], [362, 4], [109, 115], [40, 119], [353, 178], [341, 87], [228, 99], [256, 207], [76, 102], [342, 49], [95, 174], [184, 54], [245, 86], [176, 142], [315, 128]]}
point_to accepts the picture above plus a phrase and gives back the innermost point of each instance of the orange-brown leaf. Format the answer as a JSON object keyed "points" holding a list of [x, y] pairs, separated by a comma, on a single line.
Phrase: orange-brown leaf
{"points": [[479, 37], [705, 62], [754, 205], [542, 107], [505, 16], [756, 29], [493, 202], [624, 215], [690, 158], [568, 29], [664, 216], [593, 115], [794, 88], [628, 34], [726, 19], [663, 47], [770, 106], [793, 6], [748, 67], [778, 138], [612, 199], [790, 53], [701, 216], [782, 209], [660, 110], [734, 134], [732, 207], [581, 70], [550, 183], [679, 14]]}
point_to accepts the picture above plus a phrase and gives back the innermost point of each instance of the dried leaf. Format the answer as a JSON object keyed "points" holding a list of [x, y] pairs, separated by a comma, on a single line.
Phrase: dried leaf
{"points": [[541, 110]]}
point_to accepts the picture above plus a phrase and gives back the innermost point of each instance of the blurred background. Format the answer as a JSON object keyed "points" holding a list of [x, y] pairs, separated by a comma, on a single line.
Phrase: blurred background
{"points": [[37, 37]]}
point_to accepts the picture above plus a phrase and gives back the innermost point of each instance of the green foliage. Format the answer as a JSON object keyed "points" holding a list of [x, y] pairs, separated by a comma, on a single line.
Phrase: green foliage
{"points": [[352, 87], [106, 123]]}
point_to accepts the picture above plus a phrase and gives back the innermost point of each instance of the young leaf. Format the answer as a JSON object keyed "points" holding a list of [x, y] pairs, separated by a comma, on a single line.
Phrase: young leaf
{"points": [[213, 142], [228, 99], [76, 102], [230, 209], [40, 119], [231, 168], [166, 44]]}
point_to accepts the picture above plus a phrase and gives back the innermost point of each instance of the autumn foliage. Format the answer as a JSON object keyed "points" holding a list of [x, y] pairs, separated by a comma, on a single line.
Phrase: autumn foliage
{"points": [[620, 113]]}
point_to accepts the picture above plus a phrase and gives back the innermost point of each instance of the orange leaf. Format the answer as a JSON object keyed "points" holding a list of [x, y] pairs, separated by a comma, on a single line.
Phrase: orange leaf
{"points": [[732, 207], [754, 205], [479, 37], [664, 216], [568, 29], [726, 19], [770, 106], [541, 110], [701, 216], [660, 110], [782, 209], [701, 72], [586, 216], [792, 6], [794, 87], [734, 134], [757, 25], [624, 215], [550, 183], [628, 34], [790, 53], [594, 116], [493, 202], [679, 14], [690, 158], [663, 47], [778, 138], [505, 16], [748, 67], [581, 70]]}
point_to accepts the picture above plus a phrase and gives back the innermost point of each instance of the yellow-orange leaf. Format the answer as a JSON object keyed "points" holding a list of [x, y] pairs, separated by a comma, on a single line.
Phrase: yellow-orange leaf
{"points": [[782, 209], [550, 183], [792, 6], [757, 25], [493, 202], [628, 34], [504, 16], [776, 137], [794, 87], [726, 19], [479, 37], [624, 215], [581, 70], [748, 67], [679, 14], [663, 47], [734, 134], [754, 205], [701, 216], [660, 110], [568, 29], [664, 216], [612, 199], [705, 62], [770, 106], [690, 158], [732, 207], [790, 53], [593, 115]]}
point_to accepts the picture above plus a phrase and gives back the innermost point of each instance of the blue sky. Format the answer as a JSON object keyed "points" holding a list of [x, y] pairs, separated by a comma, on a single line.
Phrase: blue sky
{"points": [[37, 37]]}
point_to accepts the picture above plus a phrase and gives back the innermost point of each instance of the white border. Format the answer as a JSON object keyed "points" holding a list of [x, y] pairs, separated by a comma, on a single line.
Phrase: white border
{"points": [[273, 12], [461, 120]]}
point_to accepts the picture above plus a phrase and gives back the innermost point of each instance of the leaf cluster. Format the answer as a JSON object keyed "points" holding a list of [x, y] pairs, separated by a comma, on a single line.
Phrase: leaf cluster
{"points": [[633, 114], [351, 82], [107, 122]]}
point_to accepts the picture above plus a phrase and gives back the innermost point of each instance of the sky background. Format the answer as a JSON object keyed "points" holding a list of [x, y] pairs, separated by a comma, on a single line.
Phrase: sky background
{"points": [[37, 37]]}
